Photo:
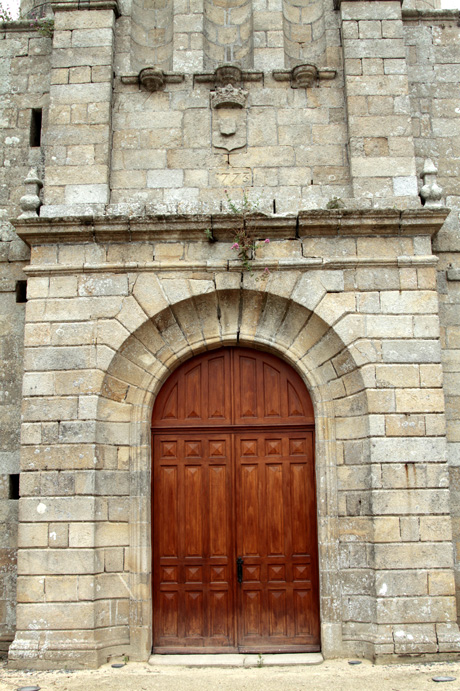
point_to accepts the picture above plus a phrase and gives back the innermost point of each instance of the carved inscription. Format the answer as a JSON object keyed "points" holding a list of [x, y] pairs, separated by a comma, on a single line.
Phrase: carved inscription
{"points": [[233, 177]]}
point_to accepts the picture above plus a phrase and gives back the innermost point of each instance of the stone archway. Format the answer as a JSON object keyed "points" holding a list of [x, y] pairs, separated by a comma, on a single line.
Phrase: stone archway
{"points": [[277, 324]]}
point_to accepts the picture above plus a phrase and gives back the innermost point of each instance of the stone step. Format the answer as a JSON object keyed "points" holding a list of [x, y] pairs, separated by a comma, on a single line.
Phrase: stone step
{"points": [[236, 660]]}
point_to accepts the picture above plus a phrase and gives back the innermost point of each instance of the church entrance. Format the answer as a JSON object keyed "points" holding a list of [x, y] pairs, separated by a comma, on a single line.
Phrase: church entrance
{"points": [[234, 513]]}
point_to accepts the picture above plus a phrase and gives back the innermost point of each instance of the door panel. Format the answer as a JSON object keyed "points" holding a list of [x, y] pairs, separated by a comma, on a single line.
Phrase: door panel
{"points": [[197, 394], [193, 588], [274, 518], [233, 386], [225, 492], [267, 391]]}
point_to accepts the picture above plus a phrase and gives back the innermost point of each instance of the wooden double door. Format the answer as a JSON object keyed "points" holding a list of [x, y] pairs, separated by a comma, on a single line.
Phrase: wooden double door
{"points": [[234, 512]]}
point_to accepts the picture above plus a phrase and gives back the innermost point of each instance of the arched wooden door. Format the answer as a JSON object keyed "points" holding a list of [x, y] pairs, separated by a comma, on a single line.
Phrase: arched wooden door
{"points": [[234, 513]]}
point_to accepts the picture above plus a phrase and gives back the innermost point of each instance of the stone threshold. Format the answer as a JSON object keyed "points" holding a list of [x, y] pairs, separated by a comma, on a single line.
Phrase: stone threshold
{"points": [[236, 660]]}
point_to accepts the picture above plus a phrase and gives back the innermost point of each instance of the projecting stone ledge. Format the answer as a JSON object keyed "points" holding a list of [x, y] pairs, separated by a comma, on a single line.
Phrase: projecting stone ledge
{"points": [[316, 223]]}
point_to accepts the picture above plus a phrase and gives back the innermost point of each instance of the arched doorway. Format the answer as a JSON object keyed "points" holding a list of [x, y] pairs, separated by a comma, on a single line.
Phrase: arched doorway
{"points": [[235, 565]]}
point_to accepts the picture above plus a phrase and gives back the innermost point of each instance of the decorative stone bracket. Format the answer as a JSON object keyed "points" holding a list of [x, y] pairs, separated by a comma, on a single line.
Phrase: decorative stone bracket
{"points": [[153, 78], [303, 76], [228, 74]]}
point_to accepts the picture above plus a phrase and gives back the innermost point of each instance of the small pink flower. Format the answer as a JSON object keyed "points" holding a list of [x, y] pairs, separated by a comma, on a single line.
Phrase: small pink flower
{"points": [[267, 241], [235, 246], [266, 270]]}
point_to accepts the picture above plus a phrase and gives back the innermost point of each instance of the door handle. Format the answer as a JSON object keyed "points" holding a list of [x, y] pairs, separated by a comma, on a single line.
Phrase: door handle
{"points": [[239, 569]]}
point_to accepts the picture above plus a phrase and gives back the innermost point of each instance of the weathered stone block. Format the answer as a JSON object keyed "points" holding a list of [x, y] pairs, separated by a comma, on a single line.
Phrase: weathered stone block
{"points": [[408, 450], [56, 616], [420, 501], [435, 528], [53, 562], [413, 556], [415, 610], [423, 351], [441, 583]]}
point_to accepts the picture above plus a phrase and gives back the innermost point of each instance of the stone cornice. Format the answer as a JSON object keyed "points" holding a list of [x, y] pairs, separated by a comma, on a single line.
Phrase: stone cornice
{"points": [[315, 223], [17, 26], [430, 16], [372, 222], [338, 3], [72, 5]]}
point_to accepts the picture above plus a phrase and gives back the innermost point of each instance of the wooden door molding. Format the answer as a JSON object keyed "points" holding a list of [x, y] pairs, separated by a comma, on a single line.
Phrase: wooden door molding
{"points": [[233, 446]]}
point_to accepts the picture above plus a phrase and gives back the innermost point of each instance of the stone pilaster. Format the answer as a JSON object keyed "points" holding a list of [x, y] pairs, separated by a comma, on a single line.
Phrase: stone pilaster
{"points": [[268, 36], [188, 54], [78, 140], [381, 149]]}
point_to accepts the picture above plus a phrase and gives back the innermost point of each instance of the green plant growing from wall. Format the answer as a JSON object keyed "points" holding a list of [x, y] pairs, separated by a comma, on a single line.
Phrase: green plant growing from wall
{"points": [[335, 203], [209, 236], [243, 244], [44, 26], [5, 14]]}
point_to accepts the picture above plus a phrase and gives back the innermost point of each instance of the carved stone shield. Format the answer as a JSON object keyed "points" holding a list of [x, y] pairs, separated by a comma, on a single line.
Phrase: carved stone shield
{"points": [[229, 130]]}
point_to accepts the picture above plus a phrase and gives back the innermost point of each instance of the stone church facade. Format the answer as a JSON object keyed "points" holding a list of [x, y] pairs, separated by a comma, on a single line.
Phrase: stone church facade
{"points": [[140, 141]]}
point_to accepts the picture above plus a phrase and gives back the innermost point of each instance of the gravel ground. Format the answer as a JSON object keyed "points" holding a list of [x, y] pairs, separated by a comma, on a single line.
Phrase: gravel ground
{"points": [[336, 675]]}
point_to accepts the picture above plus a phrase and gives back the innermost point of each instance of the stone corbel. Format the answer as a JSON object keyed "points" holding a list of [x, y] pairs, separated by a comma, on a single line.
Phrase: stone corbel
{"points": [[153, 78], [228, 74], [303, 76]]}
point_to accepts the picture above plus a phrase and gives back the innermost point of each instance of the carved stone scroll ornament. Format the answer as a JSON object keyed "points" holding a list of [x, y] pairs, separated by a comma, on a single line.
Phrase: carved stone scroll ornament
{"points": [[229, 117], [153, 78], [30, 202], [228, 74], [303, 76]]}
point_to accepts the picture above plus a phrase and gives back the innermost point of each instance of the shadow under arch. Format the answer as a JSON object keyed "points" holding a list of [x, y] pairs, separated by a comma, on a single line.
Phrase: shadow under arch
{"points": [[254, 319]]}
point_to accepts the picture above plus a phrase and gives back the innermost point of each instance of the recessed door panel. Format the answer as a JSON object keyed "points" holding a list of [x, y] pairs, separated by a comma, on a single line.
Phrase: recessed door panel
{"points": [[193, 519], [218, 508]]}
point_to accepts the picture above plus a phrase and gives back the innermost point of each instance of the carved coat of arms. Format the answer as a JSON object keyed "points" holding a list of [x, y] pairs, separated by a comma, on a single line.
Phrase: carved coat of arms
{"points": [[229, 117]]}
